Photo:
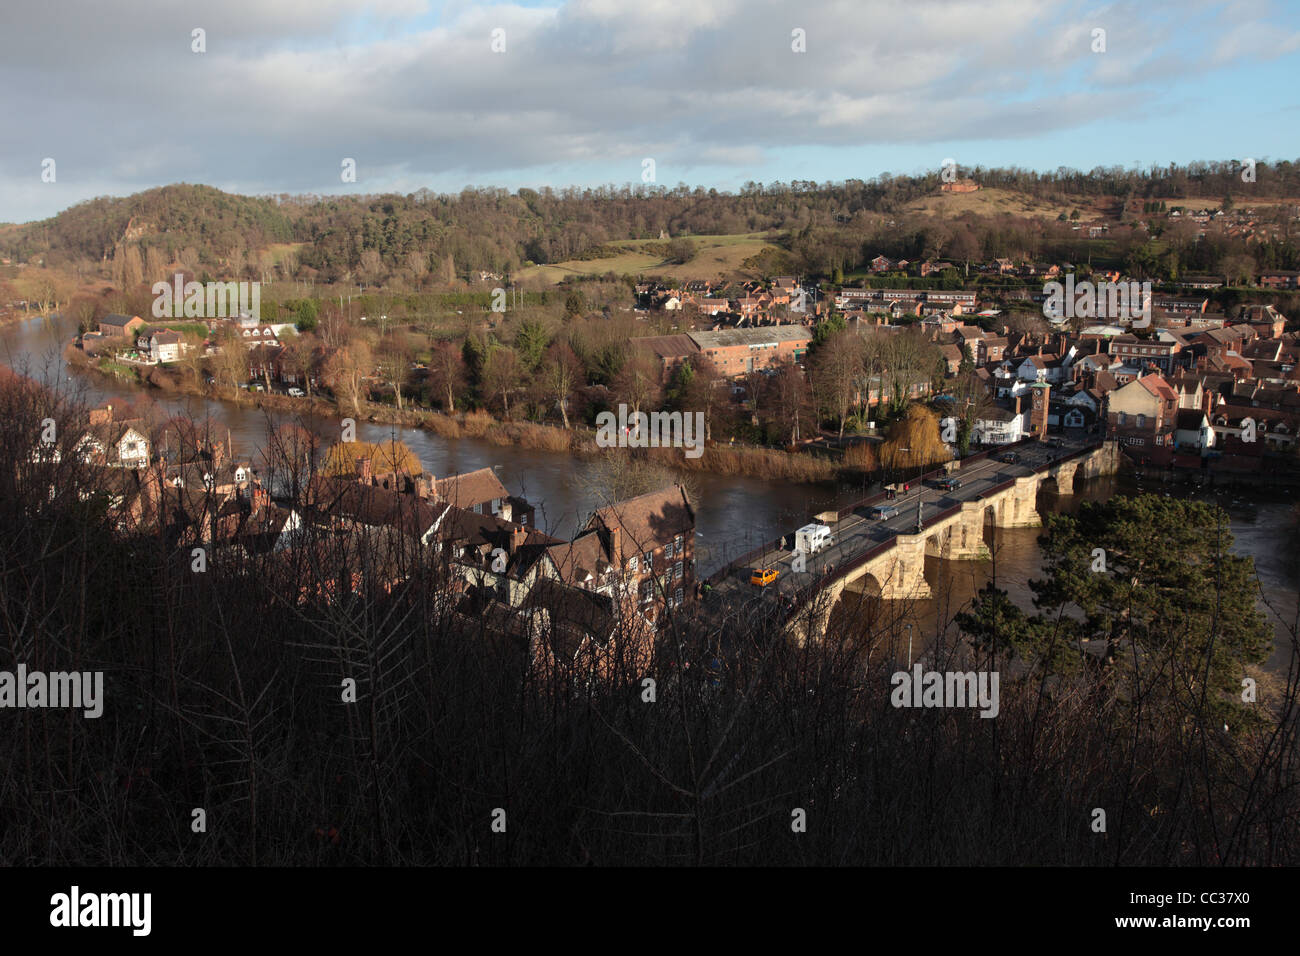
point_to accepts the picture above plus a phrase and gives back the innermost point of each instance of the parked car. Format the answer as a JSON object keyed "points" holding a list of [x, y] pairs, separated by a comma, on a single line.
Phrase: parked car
{"points": [[1010, 458], [763, 576], [948, 484], [883, 512], [296, 393], [1056, 442], [255, 388]]}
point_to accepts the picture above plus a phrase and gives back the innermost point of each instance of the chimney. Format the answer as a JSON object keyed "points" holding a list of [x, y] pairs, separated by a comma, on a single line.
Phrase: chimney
{"points": [[363, 471], [261, 499], [517, 537], [616, 546]]}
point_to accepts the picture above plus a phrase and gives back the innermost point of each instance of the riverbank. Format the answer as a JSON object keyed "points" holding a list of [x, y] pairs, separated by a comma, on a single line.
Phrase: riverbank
{"points": [[579, 442]]}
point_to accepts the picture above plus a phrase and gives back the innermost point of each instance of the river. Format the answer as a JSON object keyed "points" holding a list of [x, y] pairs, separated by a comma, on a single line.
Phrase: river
{"points": [[734, 515]]}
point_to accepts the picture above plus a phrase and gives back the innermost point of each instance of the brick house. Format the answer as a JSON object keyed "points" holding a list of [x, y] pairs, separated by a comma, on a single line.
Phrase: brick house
{"points": [[735, 352], [651, 540], [1143, 416], [120, 326]]}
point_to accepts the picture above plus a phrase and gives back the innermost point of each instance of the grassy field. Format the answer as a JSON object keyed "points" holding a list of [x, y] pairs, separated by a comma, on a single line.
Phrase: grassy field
{"points": [[717, 256], [991, 202]]}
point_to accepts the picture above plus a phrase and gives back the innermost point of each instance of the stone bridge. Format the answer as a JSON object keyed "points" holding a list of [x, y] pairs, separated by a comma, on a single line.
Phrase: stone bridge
{"points": [[953, 530]]}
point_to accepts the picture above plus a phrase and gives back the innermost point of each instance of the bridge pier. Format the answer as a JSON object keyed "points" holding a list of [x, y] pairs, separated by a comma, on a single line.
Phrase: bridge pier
{"points": [[1064, 475], [964, 539], [1018, 507], [901, 571]]}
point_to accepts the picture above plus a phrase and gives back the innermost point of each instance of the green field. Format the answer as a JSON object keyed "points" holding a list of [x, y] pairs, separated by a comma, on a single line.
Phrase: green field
{"points": [[717, 257]]}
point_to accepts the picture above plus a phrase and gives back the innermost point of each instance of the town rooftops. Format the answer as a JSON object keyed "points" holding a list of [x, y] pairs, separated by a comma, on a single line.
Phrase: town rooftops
{"points": [[667, 346], [1158, 387], [470, 489], [761, 335], [647, 521]]}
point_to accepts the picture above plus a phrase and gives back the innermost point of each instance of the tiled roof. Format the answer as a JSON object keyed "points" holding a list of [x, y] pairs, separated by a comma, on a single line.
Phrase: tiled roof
{"points": [[648, 521], [470, 489]]}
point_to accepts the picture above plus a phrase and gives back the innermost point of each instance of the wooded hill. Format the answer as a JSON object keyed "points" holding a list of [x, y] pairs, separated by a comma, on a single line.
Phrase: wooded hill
{"points": [[439, 235]]}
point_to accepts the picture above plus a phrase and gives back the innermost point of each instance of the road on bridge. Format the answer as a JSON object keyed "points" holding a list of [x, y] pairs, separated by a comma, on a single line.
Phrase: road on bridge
{"points": [[858, 533]]}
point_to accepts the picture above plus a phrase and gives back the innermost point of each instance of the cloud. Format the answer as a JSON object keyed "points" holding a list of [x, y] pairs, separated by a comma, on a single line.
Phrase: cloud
{"points": [[414, 93]]}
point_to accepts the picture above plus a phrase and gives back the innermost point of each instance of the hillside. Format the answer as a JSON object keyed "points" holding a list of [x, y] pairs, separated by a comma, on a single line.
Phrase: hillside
{"points": [[992, 202], [715, 256], [548, 235], [171, 218]]}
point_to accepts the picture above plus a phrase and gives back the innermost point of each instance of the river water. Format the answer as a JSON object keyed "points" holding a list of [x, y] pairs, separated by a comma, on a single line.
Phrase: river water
{"points": [[734, 515]]}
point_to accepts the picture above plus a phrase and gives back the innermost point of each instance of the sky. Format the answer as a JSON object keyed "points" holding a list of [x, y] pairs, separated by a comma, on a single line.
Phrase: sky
{"points": [[716, 93]]}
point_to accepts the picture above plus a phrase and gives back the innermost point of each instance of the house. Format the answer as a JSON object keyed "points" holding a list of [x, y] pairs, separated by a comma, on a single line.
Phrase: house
{"points": [[162, 346], [1001, 426], [990, 348], [735, 352], [1041, 368], [1280, 280], [669, 351], [266, 362], [480, 492], [651, 540], [117, 444], [1132, 350], [120, 326], [953, 356], [1142, 415], [1193, 431]]}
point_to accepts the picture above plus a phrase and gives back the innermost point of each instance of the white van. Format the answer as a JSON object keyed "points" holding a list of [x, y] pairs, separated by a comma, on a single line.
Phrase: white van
{"points": [[296, 393], [811, 538]]}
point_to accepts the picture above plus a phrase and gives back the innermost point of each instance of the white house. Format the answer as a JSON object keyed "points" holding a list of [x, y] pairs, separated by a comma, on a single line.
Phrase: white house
{"points": [[1001, 426], [114, 444], [1041, 368], [1192, 429]]}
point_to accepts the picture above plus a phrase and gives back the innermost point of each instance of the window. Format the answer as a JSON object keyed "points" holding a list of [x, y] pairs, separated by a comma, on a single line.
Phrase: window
{"points": [[649, 560], [632, 563], [677, 542], [1119, 418], [678, 597], [677, 571], [1141, 421], [668, 550]]}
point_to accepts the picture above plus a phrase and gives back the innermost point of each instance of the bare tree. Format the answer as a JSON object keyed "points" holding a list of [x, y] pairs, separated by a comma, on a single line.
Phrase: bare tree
{"points": [[347, 369], [836, 371], [561, 371], [447, 373], [502, 374], [394, 364]]}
